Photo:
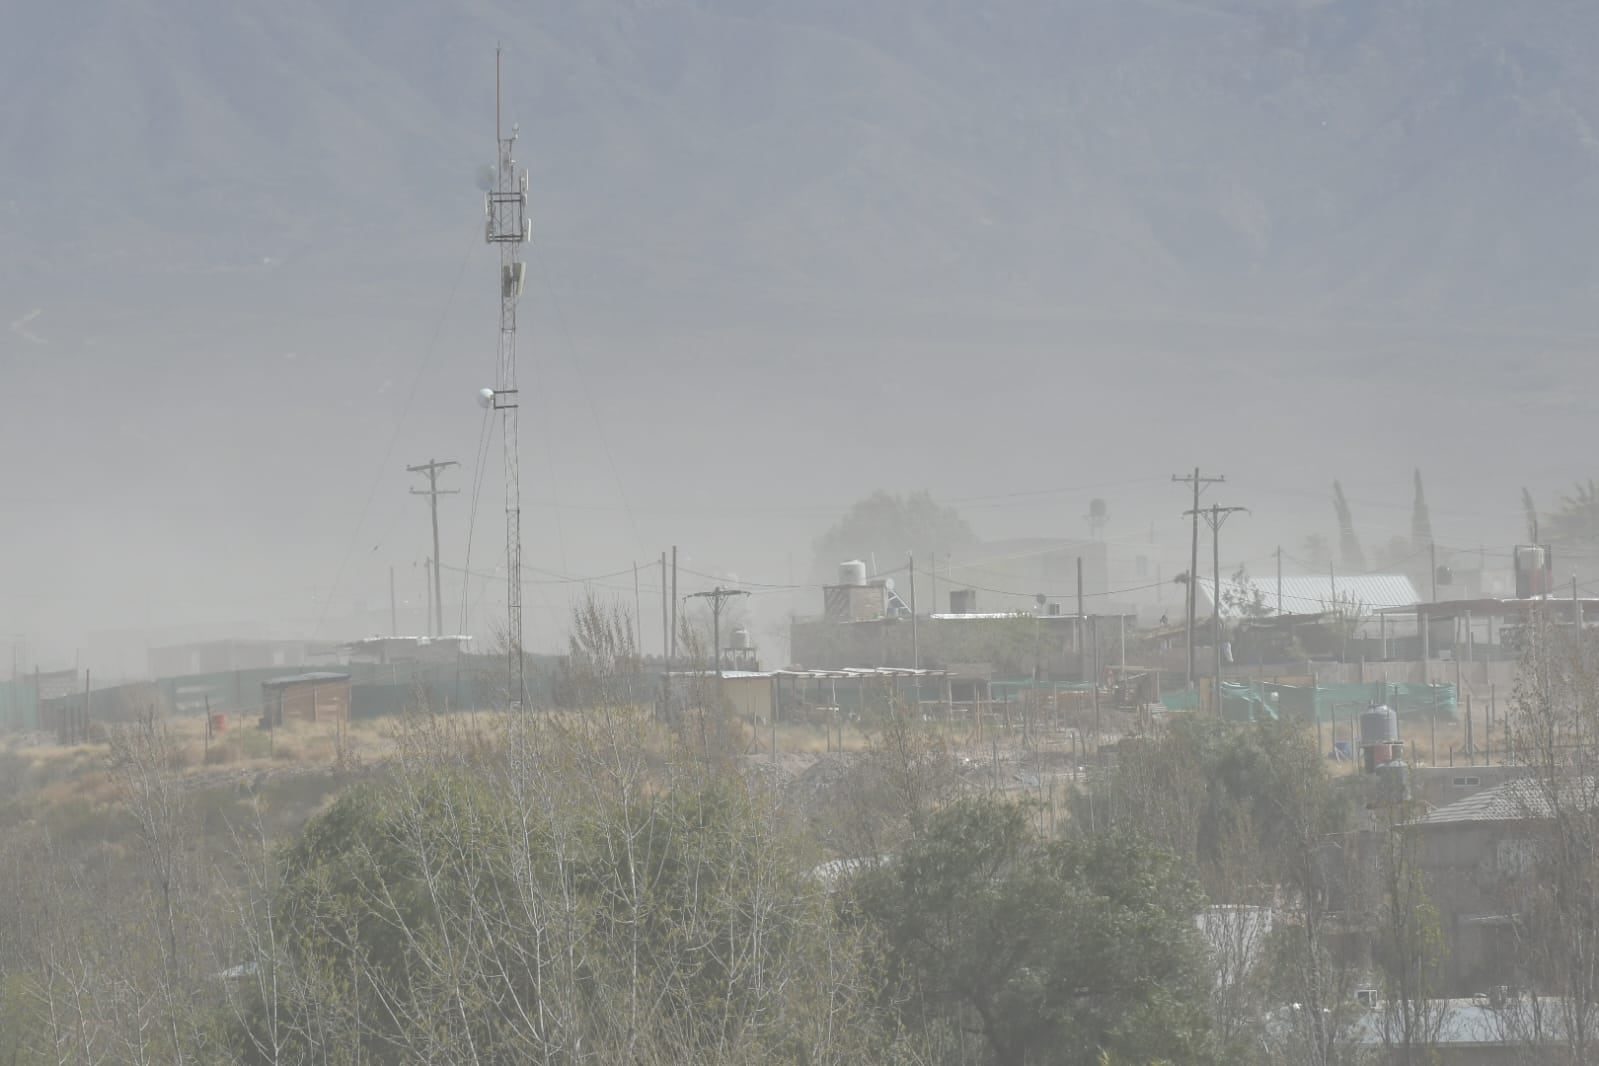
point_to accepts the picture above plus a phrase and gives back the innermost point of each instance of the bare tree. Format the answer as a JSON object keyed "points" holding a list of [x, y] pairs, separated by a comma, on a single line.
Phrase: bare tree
{"points": [[1409, 946], [1553, 863]]}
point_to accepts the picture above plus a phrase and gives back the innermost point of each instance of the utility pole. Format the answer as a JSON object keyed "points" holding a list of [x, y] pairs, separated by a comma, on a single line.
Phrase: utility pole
{"points": [[1215, 516], [431, 468], [1432, 566], [916, 649], [1082, 645], [427, 592], [666, 646], [394, 608], [1279, 581], [718, 596], [671, 657], [1198, 482]]}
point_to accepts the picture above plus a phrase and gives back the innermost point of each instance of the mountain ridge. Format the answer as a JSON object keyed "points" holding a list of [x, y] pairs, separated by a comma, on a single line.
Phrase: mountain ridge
{"points": [[1412, 160]]}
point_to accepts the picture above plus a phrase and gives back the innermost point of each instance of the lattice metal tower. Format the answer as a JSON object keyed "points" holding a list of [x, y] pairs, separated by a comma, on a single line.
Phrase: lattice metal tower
{"points": [[509, 227]]}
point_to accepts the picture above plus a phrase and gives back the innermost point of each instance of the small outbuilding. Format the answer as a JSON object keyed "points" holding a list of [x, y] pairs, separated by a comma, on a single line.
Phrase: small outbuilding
{"points": [[315, 697]]}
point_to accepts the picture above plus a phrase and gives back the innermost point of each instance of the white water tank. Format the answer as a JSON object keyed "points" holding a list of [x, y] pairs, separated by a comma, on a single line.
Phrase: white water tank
{"points": [[852, 573]]}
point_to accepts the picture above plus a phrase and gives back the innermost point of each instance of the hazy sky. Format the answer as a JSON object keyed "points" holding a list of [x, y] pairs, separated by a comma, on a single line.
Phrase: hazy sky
{"points": [[776, 266]]}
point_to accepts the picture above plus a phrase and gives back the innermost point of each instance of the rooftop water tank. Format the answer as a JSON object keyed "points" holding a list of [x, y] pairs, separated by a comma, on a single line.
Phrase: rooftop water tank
{"points": [[852, 573], [740, 640]]}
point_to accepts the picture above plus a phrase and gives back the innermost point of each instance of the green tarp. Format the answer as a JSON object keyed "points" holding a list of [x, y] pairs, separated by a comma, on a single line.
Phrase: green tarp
{"points": [[1248, 701]]}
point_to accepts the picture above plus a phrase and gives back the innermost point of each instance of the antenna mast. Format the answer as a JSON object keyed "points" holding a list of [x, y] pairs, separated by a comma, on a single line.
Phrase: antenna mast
{"points": [[508, 226]]}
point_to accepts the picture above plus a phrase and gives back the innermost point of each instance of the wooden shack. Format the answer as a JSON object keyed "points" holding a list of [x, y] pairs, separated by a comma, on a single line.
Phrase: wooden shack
{"points": [[316, 697]]}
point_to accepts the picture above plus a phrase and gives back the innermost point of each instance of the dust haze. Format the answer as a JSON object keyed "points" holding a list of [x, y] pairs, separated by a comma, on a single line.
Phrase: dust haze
{"points": [[1019, 256]]}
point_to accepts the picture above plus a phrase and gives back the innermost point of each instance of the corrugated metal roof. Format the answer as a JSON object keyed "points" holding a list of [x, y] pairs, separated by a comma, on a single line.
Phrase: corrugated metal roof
{"points": [[1513, 801], [1314, 594], [727, 675]]}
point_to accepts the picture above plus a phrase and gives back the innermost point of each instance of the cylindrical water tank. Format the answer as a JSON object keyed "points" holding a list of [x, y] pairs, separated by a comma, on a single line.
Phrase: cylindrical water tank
{"points": [[1379, 725], [852, 573], [740, 639]]}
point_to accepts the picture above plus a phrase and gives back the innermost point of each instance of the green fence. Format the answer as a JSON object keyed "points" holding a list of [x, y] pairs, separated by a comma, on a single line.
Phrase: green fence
{"points": [[1249, 701]]}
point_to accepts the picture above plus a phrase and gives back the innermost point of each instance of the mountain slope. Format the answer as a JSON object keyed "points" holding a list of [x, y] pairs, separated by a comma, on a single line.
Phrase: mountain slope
{"points": [[1412, 159]]}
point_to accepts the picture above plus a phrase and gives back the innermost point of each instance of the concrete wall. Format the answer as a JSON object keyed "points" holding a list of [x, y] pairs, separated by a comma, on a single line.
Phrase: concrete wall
{"points": [[1439, 786], [1009, 645], [1470, 869]]}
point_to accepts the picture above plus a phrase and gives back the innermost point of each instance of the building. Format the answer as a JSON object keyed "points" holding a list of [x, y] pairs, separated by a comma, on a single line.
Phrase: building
{"points": [[750, 693], [1307, 595], [1473, 854], [221, 656], [1492, 1029], [1010, 575], [315, 697], [384, 651]]}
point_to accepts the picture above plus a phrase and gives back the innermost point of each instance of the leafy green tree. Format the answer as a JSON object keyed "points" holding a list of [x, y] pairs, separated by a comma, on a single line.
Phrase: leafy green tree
{"points": [[1577, 520], [1317, 550], [451, 914], [1054, 952], [1247, 808], [890, 526]]}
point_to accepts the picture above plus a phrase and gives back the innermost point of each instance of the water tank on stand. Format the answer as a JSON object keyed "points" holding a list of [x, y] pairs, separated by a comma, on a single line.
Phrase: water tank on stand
{"points": [[963, 601], [1379, 736], [740, 640], [852, 573], [1534, 571]]}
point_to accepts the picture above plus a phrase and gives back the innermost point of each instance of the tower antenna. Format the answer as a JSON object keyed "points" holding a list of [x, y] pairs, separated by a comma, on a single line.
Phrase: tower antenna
{"points": [[509, 227]]}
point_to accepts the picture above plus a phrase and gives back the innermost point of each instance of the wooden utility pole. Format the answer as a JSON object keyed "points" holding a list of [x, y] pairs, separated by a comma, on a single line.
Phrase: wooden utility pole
{"points": [[718, 596], [916, 648], [1082, 645], [431, 468], [666, 646], [671, 655], [1214, 517], [1198, 482], [394, 608], [1279, 580]]}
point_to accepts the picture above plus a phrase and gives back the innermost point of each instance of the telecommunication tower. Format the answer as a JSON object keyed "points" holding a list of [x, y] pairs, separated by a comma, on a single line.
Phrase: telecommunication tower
{"points": [[509, 227]]}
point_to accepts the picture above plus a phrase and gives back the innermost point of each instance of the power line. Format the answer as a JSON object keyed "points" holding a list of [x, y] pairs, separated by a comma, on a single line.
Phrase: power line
{"points": [[481, 462], [718, 596], [427, 358]]}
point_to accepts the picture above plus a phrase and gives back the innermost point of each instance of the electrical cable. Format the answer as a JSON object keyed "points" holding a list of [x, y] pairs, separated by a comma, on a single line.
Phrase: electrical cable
{"points": [[428, 353], [481, 459]]}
